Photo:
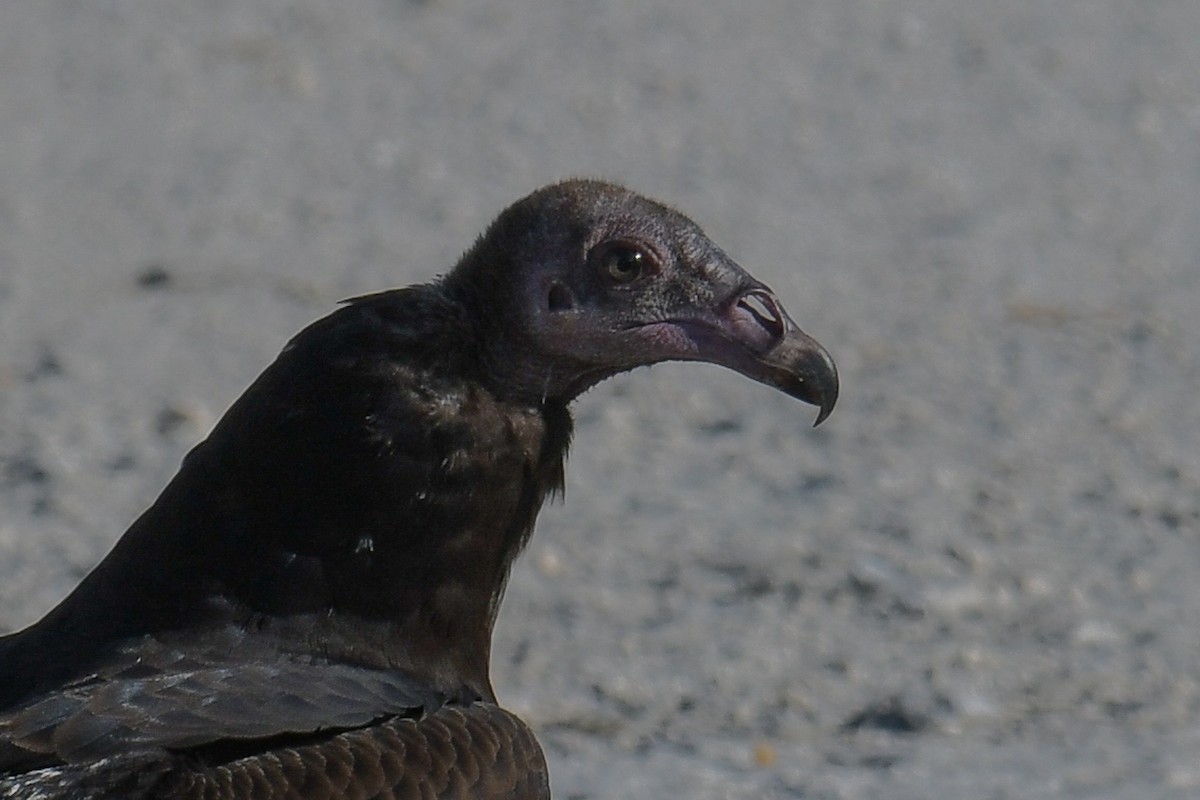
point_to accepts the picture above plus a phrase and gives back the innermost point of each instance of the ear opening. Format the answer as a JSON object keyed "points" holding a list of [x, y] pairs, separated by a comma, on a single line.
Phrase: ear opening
{"points": [[559, 298]]}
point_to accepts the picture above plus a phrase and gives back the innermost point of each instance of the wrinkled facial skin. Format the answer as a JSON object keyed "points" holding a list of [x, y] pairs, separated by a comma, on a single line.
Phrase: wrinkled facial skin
{"points": [[623, 282]]}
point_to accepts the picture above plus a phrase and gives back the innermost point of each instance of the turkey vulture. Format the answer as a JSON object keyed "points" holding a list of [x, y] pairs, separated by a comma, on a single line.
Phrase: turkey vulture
{"points": [[306, 611]]}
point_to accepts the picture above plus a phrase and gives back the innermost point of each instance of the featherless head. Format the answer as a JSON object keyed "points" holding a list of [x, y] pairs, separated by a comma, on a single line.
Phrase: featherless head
{"points": [[582, 280]]}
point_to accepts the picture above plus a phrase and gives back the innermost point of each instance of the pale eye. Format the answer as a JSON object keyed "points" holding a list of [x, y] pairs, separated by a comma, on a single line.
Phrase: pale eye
{"points": [[622, 262]]}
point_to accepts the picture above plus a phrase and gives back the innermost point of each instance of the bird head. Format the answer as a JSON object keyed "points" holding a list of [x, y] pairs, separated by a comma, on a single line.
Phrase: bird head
{"points": [[607, 280]]}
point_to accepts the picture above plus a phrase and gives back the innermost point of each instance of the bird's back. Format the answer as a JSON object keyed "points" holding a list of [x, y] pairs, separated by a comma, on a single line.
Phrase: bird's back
{"points": [[458, 752]]}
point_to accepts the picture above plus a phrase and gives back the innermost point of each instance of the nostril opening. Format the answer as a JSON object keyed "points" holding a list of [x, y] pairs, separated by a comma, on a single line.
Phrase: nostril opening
{"points": [[763, 308], [560, 298]]}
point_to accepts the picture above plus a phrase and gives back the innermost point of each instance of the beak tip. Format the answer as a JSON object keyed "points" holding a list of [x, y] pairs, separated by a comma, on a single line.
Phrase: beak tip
{"points": [[805, 371], [825, 401], [823, 414], [824, 384]]}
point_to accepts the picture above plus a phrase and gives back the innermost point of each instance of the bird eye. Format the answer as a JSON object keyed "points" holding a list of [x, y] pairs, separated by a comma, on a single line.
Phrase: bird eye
{"points": [[622, 262]]}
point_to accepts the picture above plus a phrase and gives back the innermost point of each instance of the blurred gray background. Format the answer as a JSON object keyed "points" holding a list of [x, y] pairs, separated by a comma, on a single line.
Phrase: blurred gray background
{"points": [[979, 579]]}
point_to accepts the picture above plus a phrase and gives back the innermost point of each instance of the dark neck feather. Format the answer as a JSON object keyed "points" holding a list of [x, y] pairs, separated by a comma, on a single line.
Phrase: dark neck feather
{"points": [[364, 499]]}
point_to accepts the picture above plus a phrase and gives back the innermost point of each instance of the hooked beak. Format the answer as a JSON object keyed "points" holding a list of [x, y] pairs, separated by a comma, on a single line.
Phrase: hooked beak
{"points": [[778, 353], [750, 333]]}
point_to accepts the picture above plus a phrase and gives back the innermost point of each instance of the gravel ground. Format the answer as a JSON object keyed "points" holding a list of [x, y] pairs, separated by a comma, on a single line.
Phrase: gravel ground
{"points": [[977, 580]]}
